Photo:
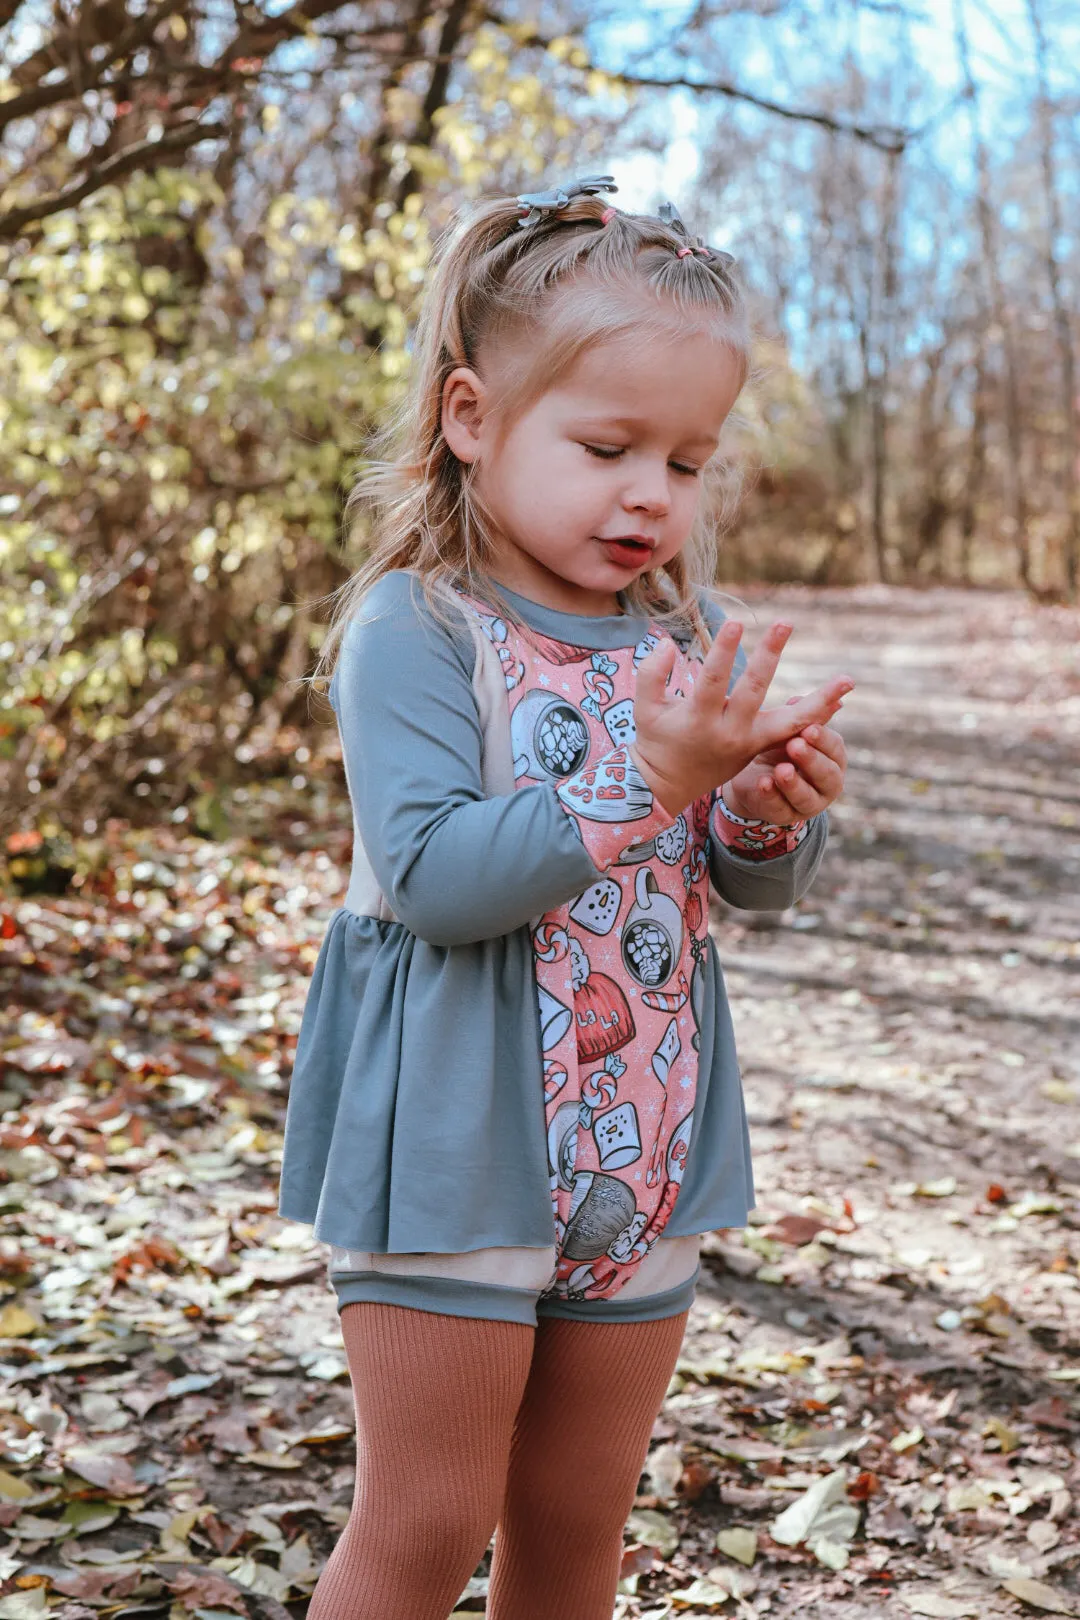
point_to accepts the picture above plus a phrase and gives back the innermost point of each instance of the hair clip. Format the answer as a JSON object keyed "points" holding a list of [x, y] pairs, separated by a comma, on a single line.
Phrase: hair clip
{"points": [[535, 204], [668, 212], [671, 218]]}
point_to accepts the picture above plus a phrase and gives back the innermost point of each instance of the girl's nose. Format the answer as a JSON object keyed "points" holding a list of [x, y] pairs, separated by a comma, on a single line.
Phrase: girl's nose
{"points": [[648, 491]]}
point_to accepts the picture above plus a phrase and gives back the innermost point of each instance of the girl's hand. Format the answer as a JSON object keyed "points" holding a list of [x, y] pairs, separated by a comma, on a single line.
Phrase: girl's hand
{"points": [[688, 746], [792, 783]]}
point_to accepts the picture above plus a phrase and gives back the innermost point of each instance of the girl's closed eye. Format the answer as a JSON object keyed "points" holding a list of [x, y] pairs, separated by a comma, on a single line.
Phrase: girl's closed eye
{"points": [[612, 454]]}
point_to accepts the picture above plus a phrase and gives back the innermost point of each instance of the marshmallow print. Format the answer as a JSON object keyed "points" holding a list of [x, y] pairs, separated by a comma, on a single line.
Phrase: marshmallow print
{"points": [[666, 1053], [512, 667], [619, 723], [598, 907]]}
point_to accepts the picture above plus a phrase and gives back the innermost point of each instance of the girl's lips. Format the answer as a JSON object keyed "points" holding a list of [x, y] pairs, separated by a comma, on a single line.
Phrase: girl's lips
{"points": [[628, 552]]}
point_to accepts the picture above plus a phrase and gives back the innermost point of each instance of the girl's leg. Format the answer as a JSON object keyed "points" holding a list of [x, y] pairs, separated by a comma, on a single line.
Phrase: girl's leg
{"points": [[435, 1402], [580, 1442]]}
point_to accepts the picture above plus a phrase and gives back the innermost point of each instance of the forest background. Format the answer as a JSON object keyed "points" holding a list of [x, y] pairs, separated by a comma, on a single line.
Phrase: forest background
{"points": [[214, 226], [215, 222]]}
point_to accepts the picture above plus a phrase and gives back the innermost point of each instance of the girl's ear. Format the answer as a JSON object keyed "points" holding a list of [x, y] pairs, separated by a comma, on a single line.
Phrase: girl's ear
{"points": [[463, 407]]}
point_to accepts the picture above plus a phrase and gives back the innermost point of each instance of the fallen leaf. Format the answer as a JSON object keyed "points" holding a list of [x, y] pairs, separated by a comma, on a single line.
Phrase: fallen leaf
{"points": [[13, 1489], [16, 1322], [653, 1530], [637, 1560], [701, 1594], [796, 1229], [739, 1583], [664, 1470], [823, 1518], [1007, 1438], [936, 1606], [24, 1605], [112, 1473], [1038, 1595], [942, 1188], [198, 1587], [1043, 1535], [1052, 1414], [737, 1543]]}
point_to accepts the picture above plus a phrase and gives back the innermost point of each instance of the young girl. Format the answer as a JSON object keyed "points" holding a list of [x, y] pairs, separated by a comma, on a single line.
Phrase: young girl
{"points": [[516, 1105]]}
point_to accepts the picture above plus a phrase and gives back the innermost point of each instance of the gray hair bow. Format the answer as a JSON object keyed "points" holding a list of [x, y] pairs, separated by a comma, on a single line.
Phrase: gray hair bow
{"points": [[535, 204], [668, 212]]}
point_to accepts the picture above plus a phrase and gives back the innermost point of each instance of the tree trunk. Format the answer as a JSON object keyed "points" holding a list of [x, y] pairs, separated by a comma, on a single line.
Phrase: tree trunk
{"points": [[1014, 437], [1062, 323]]}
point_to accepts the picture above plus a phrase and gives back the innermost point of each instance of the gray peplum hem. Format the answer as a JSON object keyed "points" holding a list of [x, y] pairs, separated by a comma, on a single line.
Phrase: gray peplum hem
{"points": [[494, 1302], [416, 1111]]}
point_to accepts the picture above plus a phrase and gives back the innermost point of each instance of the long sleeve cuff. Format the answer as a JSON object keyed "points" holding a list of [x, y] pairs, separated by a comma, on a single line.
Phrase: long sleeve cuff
{"points": [[612, 807], [754, 840]]}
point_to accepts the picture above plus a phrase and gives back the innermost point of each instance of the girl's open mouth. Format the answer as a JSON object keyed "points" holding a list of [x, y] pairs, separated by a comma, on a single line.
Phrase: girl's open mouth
{"points": [[631, 553]]}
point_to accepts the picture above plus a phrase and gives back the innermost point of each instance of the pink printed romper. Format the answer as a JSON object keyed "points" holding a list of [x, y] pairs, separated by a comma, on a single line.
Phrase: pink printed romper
{"points": [[613, 970]]}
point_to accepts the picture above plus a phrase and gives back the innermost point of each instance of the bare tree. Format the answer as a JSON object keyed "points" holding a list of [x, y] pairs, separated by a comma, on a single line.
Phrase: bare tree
{"points": [[998, 306], [1066, 347]]}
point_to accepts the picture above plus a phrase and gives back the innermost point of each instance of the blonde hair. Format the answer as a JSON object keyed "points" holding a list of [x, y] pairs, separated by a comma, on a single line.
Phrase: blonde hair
{"points": [[567, 283]]}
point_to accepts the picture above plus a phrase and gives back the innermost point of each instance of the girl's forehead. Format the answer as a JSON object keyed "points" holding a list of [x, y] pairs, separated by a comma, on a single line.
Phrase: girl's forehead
{"points": [[695, 377]]}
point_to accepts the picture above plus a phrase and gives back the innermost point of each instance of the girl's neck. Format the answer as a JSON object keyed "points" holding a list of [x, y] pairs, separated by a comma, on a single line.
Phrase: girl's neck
{"points": [[559, 595]]}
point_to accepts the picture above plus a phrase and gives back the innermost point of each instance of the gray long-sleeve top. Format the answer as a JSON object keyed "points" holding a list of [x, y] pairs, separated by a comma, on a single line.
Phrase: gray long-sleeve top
{"points": [[418, 1065]]}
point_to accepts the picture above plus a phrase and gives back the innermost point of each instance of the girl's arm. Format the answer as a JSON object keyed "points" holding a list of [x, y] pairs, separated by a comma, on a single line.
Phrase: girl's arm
{"points": [[455, 866], [769, 883]]}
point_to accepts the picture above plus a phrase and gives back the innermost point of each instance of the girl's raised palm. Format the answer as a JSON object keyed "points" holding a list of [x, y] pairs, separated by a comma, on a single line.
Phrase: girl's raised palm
{"points": [[688, 746]]}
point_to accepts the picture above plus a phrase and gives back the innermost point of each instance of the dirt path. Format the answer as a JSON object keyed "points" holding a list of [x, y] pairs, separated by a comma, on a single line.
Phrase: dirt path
{"points": [[911, 1046], [904, 1314]]}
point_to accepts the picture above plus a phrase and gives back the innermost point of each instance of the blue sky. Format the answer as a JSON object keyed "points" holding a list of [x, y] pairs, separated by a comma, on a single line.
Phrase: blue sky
{"points": [[1001, 51]]}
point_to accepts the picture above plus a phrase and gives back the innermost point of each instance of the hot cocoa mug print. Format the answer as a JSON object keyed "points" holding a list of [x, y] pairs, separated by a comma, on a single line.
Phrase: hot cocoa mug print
{"points": [[549, 735], [652, 935]]}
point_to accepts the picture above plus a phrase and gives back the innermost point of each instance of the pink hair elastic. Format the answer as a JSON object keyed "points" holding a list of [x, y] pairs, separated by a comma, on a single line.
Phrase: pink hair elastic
{"points": [[608, 214], [682, 252]]}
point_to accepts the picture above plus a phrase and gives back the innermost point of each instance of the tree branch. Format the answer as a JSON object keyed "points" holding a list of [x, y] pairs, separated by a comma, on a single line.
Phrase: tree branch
{"points": [[141, 156], [884, 138], [47, 95]]}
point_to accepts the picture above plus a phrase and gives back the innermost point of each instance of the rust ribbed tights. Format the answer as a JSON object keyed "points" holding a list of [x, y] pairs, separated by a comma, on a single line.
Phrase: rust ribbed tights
{"points": [[463, 1424]]}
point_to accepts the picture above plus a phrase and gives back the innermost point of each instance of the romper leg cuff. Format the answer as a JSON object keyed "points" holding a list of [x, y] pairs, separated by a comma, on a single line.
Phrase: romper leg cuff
{"points": [[446, 1296]]}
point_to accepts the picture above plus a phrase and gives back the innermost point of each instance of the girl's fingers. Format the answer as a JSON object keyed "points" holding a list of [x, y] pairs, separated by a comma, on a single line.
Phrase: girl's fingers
{"points": [[753, 684], [776, 726], [652, 675], [782, 805], [815, 766], [826, 742], [800, 793], [714, 677]]}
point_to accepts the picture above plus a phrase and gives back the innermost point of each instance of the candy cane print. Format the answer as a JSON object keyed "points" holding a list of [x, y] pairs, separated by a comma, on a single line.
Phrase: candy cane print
{"points": [[604, 1271], [550, 942], [661, 1214], [598, 684], [512, 667], [661, 1001], [652, 1174], [555, 1077]]}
